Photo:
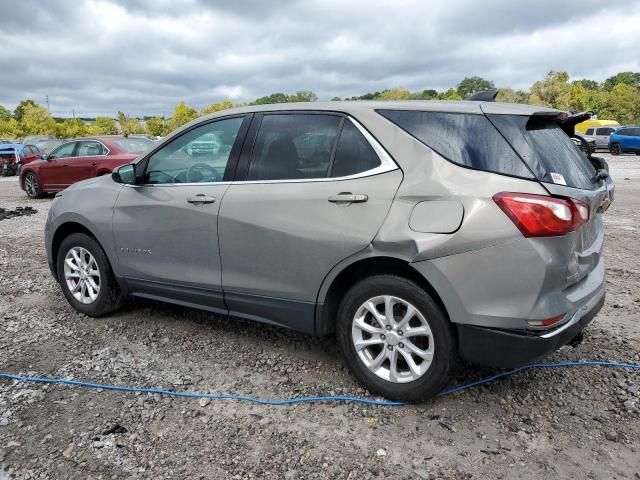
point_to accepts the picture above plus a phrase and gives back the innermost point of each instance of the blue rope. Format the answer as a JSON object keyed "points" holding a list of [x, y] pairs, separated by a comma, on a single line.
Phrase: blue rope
{"points": [[290, 401]]}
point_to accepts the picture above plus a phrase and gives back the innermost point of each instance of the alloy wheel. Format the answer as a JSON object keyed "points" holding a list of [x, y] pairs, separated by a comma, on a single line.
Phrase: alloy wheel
{"points": [[31, 185], [393, 339], [82, 275]]}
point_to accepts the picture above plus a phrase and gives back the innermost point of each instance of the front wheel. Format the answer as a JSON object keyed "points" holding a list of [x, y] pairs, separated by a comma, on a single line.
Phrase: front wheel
{"points": [[615, 149], [86, 277], [395, 339], [32, 186]]}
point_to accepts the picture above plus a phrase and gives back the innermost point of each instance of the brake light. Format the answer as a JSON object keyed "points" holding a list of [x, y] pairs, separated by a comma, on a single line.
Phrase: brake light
{"points": [[542, 216], [546, 322]]}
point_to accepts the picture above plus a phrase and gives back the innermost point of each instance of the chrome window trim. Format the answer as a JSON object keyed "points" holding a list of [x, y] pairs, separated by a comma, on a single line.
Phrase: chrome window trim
{"points": [[387, 164], [96, 141]]}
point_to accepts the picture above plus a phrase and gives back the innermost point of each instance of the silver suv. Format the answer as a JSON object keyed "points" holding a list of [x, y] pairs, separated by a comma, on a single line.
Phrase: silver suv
{"points": [[418, 232]]}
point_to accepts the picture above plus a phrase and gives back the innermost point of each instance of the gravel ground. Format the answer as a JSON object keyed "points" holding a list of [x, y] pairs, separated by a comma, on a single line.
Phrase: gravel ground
{"points": [[565, 423]]}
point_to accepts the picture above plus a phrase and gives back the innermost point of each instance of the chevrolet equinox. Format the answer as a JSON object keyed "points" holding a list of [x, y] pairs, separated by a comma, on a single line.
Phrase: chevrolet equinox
{"points": [[419, 232]]}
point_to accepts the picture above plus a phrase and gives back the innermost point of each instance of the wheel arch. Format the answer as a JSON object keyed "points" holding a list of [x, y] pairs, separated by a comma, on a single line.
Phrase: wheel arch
{"points": [[338, 282], [62, 232]]}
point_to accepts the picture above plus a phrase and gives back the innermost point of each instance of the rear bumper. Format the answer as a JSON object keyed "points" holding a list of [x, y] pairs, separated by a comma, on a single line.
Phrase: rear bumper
{"points": [[500, 348]]}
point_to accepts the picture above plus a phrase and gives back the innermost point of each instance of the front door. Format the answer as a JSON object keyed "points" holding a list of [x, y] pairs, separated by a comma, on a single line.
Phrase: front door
{"points": [[54, 174], [314, 192], [166, 228]]}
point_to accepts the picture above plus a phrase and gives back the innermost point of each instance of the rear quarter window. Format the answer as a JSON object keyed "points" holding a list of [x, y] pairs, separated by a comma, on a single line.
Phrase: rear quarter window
{"points": [[469, 140]]}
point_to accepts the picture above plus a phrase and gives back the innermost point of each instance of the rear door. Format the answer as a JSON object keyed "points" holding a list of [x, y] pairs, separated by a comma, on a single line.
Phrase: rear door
{"points": [[312, 189], [83, 165], [602, 136]]}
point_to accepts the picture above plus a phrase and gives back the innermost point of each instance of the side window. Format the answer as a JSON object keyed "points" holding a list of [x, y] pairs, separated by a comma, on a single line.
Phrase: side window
{"points": [[354, 153], [91, 149], [63, 151], [27, 150], [625, 132], [589, 131], [199, 155], [293, 146]]}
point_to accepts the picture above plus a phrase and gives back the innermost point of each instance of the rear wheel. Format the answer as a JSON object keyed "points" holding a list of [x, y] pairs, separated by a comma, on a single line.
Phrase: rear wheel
{"points": [[32, 186], [615, 149], [395, 338], [86, 277]]}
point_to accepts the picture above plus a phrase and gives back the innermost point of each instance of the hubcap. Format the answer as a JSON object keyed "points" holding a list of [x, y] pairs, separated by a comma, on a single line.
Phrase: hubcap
{"points": [[82, 275], [392, 339]]}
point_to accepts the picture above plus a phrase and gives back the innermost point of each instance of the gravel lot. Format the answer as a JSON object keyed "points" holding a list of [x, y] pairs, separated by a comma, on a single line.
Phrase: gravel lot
{"points": [[565, 423]]}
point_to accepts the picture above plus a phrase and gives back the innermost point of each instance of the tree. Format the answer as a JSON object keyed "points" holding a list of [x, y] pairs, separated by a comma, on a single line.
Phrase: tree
{"points": [[588, 84], [10, 128], [303, 96], [105, 126], [429, 94], [157, 127], [35, 120], [623, 104], [552, 91], [336, 99], [217, 107], [182, 115], [128, 125], [71, 128], [451, 94], [470, 85], [273, 98], [18, 113], [509, 95], [627, 78], [394, 94], [5, 114]]}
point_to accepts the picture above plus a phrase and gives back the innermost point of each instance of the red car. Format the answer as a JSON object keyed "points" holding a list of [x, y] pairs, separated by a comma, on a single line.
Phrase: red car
{"points": [[77, 160]]}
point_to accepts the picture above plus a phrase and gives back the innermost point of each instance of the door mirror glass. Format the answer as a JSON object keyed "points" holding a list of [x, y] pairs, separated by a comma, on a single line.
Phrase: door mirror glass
{"points": [[125, 174]]}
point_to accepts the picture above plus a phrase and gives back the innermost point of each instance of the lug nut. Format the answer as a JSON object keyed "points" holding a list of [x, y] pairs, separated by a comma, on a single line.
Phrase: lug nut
{"points": [[399, 332], [388, 327], [401, 345], [383, 336], [389, 347]]}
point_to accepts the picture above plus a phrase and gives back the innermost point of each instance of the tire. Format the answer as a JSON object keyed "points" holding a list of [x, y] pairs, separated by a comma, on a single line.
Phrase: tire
{"points": [[109, 298], [615, 149], [407, 385], [32, 186]]}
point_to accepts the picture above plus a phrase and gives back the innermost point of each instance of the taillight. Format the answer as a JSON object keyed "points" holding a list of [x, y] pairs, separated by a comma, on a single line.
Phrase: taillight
{"points": [[541, 216]]}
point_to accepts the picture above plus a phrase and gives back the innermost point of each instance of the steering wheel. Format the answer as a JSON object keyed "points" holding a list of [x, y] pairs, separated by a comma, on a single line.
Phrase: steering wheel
{"points": [[196, 173]]}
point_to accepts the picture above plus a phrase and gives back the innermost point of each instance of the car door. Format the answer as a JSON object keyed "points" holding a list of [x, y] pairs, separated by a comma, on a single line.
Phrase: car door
{"points": [[166, 227], [602, 136], [53, 173], [634, 139], [312, 189], [83, 165]]}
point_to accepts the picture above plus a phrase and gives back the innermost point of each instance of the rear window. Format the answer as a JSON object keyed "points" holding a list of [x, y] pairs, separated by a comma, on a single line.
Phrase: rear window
{"points": [[133, 145], [548, 151], [469, 140], [604, 131]]}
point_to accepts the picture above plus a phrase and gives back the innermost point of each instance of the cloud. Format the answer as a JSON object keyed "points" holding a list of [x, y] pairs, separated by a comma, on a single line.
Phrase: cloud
{"points": [[144, 56]]}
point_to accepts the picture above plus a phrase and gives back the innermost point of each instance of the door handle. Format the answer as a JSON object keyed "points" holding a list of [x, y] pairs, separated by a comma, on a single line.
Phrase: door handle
{"points": [[200, 199], [347, 197]]}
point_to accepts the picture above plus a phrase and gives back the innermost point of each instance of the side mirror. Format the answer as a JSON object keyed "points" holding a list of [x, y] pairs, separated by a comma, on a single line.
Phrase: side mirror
{"points": [[44, 157], [125, 174]]}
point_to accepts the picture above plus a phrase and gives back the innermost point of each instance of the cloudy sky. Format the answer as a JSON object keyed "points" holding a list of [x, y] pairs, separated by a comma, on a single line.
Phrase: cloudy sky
{"points": [[144, 56]]}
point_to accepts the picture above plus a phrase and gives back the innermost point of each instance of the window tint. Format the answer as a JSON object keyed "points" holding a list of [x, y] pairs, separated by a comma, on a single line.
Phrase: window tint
{"points": [[63, 151], [625, 132], [466, 139], [546, 149], [293, 146], [589, 131], [604, 131], [199, 155], [90, 149], [354, 153]]}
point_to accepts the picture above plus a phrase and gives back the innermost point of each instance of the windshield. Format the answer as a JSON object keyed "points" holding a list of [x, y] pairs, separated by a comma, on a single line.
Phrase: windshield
{"points": [[548, 151], [133, 145]]}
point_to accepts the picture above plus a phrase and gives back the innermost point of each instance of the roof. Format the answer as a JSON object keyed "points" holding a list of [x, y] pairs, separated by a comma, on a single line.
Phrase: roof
{"points": [[11, 146], [349, 106]]}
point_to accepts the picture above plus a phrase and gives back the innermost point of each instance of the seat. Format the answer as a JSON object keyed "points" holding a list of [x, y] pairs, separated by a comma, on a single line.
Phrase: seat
{"points": [[280, 162]]}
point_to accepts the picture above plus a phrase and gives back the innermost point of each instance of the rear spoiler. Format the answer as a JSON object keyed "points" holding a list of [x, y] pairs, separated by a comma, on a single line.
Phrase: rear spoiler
{"points": [[484, 96]]}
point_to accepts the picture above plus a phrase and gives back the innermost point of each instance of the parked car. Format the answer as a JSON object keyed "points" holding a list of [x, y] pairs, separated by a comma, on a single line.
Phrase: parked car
{"points": [[583, 126], [77, 160], [418, 232], [33, 139], [625, 140], [599, 135], [47, 145], [14, 155]]}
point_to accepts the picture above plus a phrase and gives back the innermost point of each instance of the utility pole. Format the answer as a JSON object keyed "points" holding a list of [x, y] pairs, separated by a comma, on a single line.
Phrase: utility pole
{"points": [[47, 98], [74, 113]]}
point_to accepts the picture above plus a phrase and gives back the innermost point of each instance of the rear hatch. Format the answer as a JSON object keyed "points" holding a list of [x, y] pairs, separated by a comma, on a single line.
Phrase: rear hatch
{"points": [[8, 160], [544, 144]]}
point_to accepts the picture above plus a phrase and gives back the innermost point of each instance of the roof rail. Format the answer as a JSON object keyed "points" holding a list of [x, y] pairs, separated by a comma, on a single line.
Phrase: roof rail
{"points": [[484, 96]]}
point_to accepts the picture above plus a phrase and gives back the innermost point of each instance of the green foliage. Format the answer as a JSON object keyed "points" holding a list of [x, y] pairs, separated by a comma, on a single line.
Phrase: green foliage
{"points": [[623, 104], [105, 126], [429, 94], [34, 119], [470, 85], [18, 113], [631, 79], [553, 91], [336, 99], [10, 128], [451, 94], [273, 98], [588, 84], [303, 96], [217, 107], [394, 94], [509, 95], [182, 115], [71, 128], [5, 114], [157, 127]]}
